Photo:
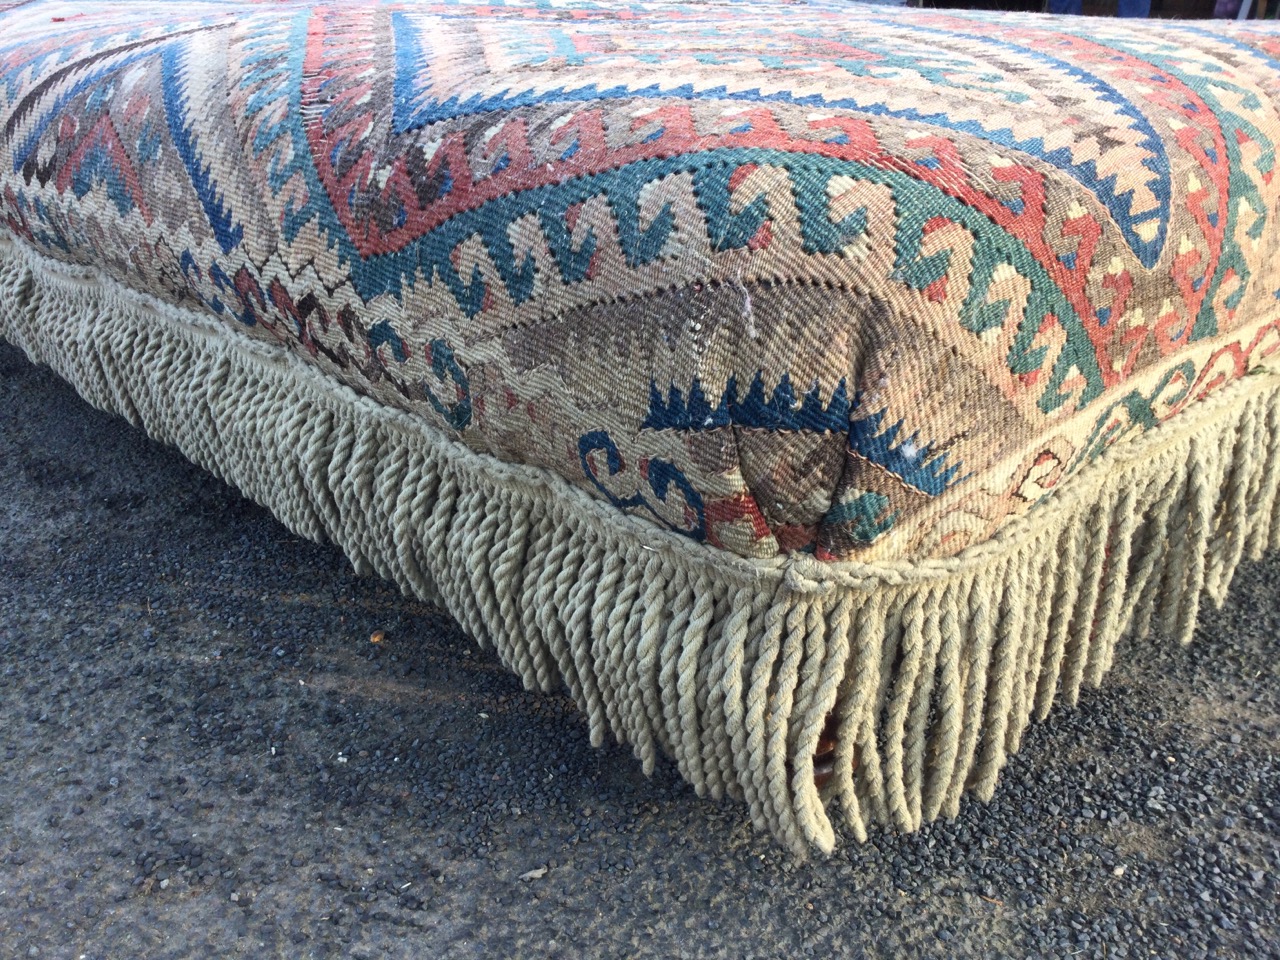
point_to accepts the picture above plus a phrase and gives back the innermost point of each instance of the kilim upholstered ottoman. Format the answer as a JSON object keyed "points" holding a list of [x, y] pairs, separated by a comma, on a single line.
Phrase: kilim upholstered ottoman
{"points": [[779, 378]]}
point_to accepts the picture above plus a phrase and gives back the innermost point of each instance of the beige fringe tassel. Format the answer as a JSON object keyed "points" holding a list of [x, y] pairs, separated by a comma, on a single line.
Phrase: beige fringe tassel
{"points": [[728, 666]]}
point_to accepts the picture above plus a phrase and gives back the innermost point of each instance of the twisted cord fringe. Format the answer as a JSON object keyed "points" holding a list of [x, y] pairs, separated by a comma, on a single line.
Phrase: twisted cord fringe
{"points": [[932, 670]]}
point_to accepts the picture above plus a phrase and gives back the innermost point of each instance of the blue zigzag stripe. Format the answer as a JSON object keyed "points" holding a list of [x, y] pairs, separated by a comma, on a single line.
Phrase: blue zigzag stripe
{"points": [[1120, 205], [779, 412], [228, 232], [917, 466]]}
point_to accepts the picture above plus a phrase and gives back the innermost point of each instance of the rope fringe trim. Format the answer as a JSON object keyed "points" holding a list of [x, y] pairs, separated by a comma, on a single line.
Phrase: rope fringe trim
{"points": [[729, 667]]}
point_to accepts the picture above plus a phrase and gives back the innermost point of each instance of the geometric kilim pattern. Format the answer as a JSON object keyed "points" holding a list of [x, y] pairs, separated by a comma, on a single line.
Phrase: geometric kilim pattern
{"points": [[857, 281]]}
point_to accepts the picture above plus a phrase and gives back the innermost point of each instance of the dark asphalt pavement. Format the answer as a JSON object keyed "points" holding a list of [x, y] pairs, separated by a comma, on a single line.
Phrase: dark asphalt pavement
{"points": [[202, 753]]}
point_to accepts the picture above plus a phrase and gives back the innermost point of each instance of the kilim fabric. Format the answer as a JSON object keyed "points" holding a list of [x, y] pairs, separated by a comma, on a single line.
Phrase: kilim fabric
{"points": [[735, 365]]}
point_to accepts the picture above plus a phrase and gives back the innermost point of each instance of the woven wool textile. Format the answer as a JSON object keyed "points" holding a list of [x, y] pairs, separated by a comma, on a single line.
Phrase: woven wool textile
{"points": [[735, 365]]}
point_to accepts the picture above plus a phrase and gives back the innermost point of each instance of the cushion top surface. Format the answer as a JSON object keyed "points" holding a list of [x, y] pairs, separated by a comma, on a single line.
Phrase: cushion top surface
{"points": [[862, 282]]}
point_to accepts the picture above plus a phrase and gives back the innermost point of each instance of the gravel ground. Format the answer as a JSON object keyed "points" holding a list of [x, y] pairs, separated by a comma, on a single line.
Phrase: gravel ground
{"points": [[202, 752]]}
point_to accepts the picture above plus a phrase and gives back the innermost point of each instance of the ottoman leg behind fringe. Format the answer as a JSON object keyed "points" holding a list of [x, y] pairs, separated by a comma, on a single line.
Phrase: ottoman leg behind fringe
{"points": [[927, 674]]}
